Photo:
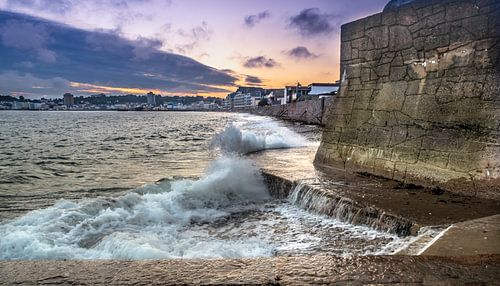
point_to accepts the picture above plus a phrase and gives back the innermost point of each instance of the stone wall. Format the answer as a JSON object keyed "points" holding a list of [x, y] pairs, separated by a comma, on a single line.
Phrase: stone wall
{"points": [[419, 99], [308, 111]]}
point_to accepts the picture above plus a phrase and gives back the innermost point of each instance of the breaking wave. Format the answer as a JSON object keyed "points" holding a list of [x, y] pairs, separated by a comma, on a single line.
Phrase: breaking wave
{"points": [[256, 133], [153, 222]]}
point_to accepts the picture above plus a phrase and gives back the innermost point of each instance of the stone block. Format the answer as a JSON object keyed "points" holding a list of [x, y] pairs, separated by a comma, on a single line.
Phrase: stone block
{"points": [[421, 107], [360, 118], [462, 162], [391, 96], [345, 50], [398, 73], [410, 137], [434, 158], [459, 34], [331, 137], [405, 154], [383, 70], [353, 30], [379, 137], [399, 38], [410, 55], [338, 120], [443, 140], [365, 74], [349, 136], [373, 21], [404, 119], [383, 118], [352, 71], [386, 57], [379, 37], [343, 105], [389, 18], [476, 26], [435, 19], [406, 16], [436, 41], [460, 10], [354, 53], [362, 99]]}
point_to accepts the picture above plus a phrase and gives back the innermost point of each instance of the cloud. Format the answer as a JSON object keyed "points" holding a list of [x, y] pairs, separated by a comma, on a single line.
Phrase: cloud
{"points": [[144, 48], [260, 62], [252, 80], [27, 37], [300, 52], [99, 58], [195, 36], [310, 22], [12, 82], [252, 20]]}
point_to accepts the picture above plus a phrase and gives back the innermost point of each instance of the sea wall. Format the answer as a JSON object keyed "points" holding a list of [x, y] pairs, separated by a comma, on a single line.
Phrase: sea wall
{"points": [[307, 111], [419, 99]]}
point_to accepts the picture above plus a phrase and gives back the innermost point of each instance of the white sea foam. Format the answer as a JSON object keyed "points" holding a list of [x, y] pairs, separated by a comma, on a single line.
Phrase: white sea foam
{"points": [[152, 225], [227, 213], [255, 133]]}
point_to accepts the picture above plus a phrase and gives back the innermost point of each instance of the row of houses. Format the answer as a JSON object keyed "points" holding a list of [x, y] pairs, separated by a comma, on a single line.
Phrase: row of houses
{"points": [[245, 96]]}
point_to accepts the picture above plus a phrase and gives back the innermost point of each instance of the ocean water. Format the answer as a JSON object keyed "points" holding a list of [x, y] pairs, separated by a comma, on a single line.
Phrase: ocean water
{"points": [[142, 185]]}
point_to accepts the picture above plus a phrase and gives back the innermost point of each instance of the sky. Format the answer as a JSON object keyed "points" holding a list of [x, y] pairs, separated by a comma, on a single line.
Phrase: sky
{"points": [[171, 47]]}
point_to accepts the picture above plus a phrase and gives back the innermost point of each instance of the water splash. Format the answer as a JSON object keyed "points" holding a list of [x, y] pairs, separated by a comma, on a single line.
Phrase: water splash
{"points": [[251, 134], [151, 225], [323, 201]]}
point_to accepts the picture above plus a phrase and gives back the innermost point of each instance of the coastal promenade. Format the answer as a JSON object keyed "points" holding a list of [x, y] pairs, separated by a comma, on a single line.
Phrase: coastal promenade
{"points": [[303, 270]]}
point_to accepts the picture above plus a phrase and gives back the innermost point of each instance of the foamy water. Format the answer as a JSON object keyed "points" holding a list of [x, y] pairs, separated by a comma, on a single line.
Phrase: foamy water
{"points": [[249, 133], [226, 212]]}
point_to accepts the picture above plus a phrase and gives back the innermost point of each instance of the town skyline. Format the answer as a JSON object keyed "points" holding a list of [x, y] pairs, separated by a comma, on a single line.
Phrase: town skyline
{"points": [[169, 47]]}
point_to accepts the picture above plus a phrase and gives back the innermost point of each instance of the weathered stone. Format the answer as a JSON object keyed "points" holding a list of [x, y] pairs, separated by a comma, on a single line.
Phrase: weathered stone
{"points": [[351, 31], [463, 9], [434, 158], [398, 73], [399, 38], [363, 99], [352, 71], [406, 16], [391, 96], [383, 70], [379, 37], [365, 74], [428, 103], [373, 21]]}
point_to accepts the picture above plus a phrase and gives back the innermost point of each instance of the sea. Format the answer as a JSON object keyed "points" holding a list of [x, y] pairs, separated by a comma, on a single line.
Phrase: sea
{"points": [[157, 185]]}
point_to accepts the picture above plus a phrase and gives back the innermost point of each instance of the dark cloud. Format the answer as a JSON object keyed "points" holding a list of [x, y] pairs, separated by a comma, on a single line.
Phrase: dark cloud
{"points": [[250, 79], [300, 52], [311, 22], [252, 20], [56, 51], [260, 62], [27, 37]]}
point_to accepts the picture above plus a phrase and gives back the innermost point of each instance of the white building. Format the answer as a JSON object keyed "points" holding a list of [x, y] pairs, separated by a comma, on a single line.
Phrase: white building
{"points": [[318, 89], [242, 100]]}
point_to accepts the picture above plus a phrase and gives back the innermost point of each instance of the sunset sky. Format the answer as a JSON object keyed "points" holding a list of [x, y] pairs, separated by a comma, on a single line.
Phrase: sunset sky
{"points": [[173, 47]]}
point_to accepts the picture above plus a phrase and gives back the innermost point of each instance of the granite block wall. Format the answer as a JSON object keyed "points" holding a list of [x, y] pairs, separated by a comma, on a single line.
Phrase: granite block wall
{"points": [[419, 99], [308, 111]]}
